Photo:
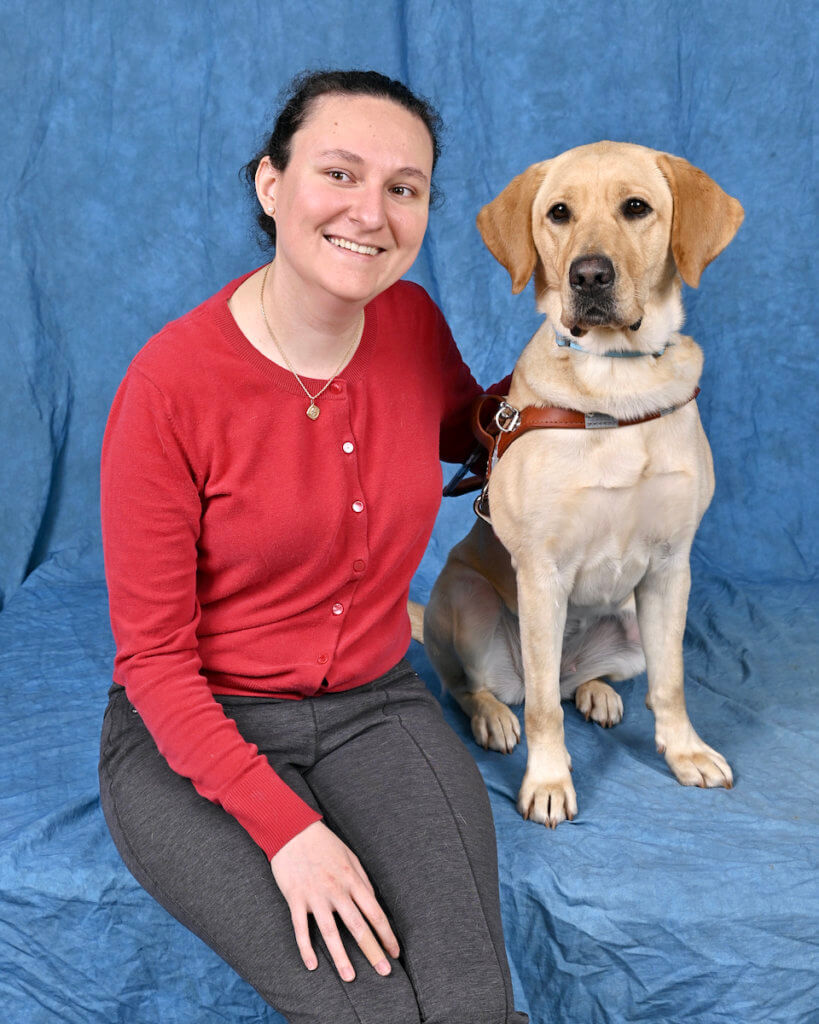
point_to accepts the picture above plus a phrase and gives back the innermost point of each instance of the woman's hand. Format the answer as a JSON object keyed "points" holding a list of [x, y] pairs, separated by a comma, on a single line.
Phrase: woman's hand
{"points": [[318, 875]]}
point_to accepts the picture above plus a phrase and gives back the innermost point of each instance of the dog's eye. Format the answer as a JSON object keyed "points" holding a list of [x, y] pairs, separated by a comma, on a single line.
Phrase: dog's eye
{"points": [[636, 207], [559, 212]]}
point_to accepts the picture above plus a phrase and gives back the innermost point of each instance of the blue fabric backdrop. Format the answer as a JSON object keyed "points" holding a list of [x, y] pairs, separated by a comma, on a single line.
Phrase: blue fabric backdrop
{"points": [[124, 128]]}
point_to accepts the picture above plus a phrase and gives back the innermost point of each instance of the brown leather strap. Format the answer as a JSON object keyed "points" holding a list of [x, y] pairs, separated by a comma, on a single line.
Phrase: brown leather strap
{"points": [[534, 417], [485, 434]]}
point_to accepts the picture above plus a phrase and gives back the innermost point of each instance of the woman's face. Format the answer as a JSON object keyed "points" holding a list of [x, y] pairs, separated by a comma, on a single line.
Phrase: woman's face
{"points": [[353, 202]]}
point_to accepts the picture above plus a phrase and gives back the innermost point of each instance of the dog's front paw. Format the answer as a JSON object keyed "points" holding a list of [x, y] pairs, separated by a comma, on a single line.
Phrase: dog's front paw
{"points": [[694, 763], [599, 702], [496, 727], [547, 802]]}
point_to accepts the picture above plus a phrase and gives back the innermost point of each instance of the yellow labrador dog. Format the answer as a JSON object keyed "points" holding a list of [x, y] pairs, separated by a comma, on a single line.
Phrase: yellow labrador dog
{"points": [[587, 571]]}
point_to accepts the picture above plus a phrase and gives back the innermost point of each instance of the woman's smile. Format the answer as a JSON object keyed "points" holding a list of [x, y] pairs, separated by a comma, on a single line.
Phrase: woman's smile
{"points": [[356, 247]]}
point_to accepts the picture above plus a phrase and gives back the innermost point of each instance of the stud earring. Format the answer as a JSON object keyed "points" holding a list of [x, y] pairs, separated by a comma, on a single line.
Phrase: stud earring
{"points": [[271, 210]]}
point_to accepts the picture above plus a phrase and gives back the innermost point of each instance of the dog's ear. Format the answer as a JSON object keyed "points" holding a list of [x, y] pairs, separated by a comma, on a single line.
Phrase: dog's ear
{"points": [[705, 218], [505, 225]]}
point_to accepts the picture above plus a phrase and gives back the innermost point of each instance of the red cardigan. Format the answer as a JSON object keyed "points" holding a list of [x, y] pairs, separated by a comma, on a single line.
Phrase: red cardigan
{"points": [[251, 550]]}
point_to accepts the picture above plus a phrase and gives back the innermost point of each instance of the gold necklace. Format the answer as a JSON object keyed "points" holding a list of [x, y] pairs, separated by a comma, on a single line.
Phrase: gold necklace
{"points": [[312, 410]]}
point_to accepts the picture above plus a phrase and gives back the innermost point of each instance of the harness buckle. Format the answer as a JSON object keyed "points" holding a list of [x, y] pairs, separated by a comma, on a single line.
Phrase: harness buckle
{"points": [[507, 418]]}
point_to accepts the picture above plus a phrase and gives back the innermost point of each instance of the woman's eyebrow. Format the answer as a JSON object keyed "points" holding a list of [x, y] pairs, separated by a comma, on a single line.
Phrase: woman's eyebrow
{"points": [[343, 154], [353, 158], [412, 172]]}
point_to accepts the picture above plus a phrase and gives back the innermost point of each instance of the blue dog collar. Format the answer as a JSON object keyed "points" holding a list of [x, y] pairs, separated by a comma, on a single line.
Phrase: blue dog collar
{"points": [[612, 353]]}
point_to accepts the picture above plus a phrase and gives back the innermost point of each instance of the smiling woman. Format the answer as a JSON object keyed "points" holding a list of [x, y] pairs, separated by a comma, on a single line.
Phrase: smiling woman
{"points": [[258, 561]]}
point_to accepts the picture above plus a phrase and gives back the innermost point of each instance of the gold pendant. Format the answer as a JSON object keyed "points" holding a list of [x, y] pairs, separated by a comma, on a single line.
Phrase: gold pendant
{"points": [[313, 411]]}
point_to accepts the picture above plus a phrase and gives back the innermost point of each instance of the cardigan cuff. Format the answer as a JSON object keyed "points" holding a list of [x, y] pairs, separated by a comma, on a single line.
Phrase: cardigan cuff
{"points": [[268, 809]]}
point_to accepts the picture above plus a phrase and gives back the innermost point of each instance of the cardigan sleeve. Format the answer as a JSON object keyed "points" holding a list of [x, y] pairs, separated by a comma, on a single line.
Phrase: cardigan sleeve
{"points": [[150, 525]]}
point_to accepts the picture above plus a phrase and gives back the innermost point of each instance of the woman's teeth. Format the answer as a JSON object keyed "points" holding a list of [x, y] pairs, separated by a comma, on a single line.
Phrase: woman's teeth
{"points": [[342, 243]]}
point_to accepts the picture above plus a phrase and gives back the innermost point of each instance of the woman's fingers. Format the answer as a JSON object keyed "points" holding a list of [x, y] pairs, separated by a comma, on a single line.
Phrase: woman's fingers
{"points": [[371, 909], [327, 926], [354, 921], [364, 938], [319, 875], [302, 932]]}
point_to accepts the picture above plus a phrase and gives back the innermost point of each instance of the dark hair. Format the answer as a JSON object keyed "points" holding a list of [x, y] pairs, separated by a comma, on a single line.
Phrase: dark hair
{"points": [[308, 87]]}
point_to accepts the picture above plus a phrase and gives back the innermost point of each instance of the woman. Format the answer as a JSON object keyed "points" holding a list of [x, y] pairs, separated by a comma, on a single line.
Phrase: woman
{"points": [[270, 479]]}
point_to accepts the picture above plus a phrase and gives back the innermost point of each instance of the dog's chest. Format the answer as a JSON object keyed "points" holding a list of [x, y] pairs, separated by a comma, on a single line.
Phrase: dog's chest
{"points": [[621, 530], [600, 507]]}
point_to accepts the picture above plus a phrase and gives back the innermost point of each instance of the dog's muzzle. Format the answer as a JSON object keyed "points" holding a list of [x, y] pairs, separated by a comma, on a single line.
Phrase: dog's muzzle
{"points": [[591, 279]]}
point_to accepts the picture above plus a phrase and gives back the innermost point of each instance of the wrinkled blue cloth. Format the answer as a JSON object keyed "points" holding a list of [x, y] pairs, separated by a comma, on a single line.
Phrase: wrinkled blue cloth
{"points": [[123, 132]]}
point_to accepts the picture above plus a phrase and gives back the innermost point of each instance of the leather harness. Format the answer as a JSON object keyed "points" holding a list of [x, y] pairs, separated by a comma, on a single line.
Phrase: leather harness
{"points": [[509, 423]]}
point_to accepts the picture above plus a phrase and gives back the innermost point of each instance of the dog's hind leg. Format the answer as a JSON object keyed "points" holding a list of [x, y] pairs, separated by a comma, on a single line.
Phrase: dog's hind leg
{"points": [[609, 646], [599, 702], [494, 725], [467, 637]]}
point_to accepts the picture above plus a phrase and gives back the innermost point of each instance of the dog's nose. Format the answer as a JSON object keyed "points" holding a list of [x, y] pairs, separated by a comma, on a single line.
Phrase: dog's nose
{"points": [[591, 274]]}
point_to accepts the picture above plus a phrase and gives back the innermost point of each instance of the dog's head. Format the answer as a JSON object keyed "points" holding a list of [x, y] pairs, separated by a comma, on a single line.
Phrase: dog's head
{"points": [[605, 228]]}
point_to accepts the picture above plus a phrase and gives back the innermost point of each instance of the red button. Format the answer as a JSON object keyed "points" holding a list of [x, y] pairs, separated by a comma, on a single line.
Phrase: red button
{"points": [[338, 608], [359, 565], [336, 387], [322, 659], [358, 506]]}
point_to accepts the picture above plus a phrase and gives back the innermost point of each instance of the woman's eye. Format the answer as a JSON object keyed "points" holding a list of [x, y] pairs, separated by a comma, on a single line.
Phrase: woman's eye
{"points": [[636, 207], [402, 190], [559, 212], [339, 175]]}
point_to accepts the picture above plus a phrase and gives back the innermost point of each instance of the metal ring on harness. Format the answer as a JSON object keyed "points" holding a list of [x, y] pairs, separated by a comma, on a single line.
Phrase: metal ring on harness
{"points": [[481, 504], [507, 418]]}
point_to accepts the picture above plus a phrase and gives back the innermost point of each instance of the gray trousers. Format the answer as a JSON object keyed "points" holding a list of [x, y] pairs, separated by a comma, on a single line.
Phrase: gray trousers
{"points": [[397, 786]]}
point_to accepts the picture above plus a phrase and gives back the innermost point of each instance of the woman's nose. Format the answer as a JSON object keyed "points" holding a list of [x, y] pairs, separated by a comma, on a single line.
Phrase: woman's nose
{"points": [[368, 207]]}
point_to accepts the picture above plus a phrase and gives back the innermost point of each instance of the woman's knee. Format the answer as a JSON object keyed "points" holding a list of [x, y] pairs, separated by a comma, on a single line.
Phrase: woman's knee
{"points": [[475, 1000], [467, 1013], [321, 995]]}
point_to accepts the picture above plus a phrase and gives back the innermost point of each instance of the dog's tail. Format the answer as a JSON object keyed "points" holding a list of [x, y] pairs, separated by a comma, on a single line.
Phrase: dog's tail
{"points": [[416, 614]]}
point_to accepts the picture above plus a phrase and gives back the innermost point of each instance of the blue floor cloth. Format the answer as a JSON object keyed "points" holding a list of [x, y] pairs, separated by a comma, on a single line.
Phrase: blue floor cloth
{"points": [[658, 904]]}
